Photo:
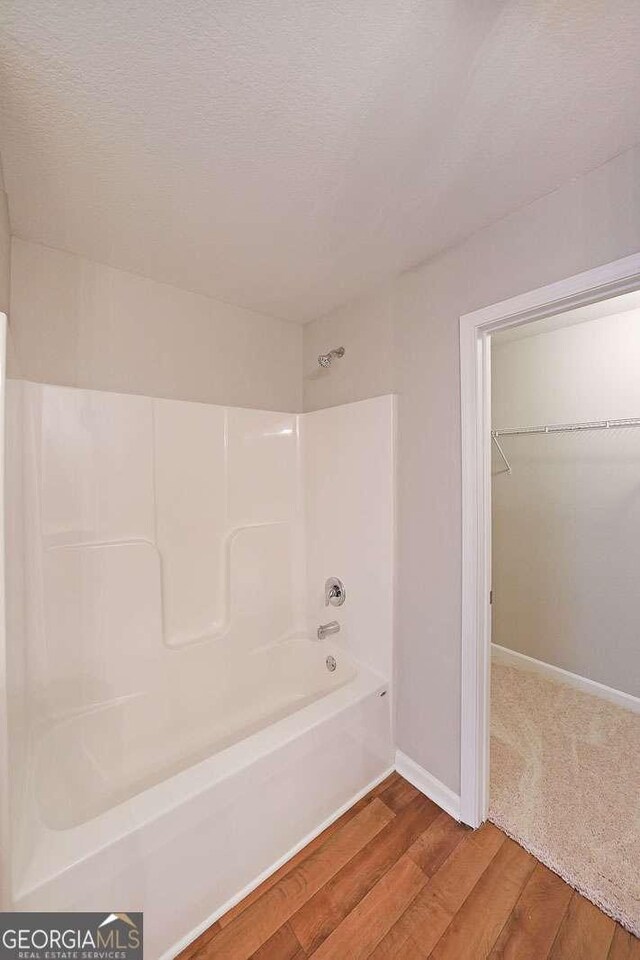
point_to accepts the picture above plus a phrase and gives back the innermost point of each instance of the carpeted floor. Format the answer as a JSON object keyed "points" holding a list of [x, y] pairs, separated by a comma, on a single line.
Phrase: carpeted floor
{"points": [[565, 783]]}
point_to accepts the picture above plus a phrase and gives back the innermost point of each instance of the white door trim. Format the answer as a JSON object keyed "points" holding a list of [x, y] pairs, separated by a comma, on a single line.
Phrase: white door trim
{"points": [[600, 283]]}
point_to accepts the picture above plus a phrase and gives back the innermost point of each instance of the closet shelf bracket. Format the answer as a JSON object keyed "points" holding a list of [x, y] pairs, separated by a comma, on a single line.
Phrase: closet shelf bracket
{"points": [[494, 437]]}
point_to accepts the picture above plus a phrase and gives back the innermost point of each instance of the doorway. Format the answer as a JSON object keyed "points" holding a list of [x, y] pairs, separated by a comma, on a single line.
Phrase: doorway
{"points": [[580, 291]]}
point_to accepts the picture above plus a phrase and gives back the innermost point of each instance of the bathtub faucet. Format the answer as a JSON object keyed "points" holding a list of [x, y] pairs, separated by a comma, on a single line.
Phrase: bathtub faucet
{"points": [[326, 629]]}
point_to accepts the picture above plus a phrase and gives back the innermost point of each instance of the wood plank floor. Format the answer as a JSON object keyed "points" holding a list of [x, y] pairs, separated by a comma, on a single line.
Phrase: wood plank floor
{"points": [[395, 877]]}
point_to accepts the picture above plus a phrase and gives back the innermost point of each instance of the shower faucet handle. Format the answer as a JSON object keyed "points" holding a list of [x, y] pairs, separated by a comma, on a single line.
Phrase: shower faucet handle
{"points": [[334, 592]]}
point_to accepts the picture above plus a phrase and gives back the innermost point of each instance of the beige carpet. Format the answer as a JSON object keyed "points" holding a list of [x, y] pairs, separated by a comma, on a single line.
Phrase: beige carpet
{"points": [[565, 783]]}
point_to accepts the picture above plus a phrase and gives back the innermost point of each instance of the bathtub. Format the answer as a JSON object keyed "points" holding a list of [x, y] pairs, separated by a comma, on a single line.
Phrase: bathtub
{"points": [[179, 800]]}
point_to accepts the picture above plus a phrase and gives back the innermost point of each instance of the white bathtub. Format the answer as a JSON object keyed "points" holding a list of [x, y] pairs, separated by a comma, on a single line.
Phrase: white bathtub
{"points": [[179, 800], [95, 759]]}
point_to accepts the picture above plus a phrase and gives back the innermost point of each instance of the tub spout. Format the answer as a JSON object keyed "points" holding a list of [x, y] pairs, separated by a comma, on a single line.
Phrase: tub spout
{"points": [[326, 629]]}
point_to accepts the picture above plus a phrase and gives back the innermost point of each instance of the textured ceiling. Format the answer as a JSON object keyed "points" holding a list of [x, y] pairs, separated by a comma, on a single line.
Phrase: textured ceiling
{"points": [[286, 155]]}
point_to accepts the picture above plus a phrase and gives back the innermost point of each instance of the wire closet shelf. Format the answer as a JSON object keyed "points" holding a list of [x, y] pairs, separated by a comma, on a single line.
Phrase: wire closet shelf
{"points": [[558, 428]]}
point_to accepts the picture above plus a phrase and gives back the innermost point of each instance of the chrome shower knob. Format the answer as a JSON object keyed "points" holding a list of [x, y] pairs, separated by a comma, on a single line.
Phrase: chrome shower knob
{"points": [[334, 592]]}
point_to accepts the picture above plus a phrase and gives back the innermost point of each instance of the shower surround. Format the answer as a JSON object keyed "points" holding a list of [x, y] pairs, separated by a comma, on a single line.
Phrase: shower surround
{"points": [[174, 731]]}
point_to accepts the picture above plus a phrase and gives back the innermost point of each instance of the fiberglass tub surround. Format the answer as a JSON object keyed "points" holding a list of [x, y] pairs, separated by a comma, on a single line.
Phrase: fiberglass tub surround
{"points": [[174, 559], [95, 759]]}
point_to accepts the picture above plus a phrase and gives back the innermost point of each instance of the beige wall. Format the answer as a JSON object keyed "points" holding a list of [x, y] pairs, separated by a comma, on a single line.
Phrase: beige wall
{"points": [[566, 521], [589, 221], [79, 323]]}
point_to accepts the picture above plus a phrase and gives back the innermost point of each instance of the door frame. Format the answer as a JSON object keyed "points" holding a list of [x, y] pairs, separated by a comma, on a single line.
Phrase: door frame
{"points": [[591, 286]]}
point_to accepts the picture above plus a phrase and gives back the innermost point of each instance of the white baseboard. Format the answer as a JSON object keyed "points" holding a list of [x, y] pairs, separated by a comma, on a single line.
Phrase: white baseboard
{"points": [[428, 784], [512, 658], [184, 942]]}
